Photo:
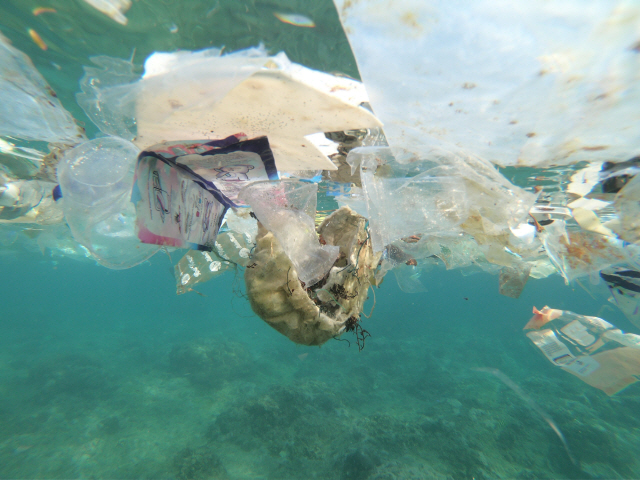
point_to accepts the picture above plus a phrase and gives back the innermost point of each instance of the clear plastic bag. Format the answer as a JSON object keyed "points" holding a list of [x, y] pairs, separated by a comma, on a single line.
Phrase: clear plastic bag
{"points": [[287, 209], [29, 109], [516, 83]]}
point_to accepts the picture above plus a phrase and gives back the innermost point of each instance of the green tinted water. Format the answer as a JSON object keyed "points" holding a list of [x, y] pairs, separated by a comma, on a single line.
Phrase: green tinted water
{"points": [[109, 374]]}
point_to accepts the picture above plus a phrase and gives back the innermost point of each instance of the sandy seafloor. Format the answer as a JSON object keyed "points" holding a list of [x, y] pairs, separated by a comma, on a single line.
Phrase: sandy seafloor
{"points": [[109, 374]]}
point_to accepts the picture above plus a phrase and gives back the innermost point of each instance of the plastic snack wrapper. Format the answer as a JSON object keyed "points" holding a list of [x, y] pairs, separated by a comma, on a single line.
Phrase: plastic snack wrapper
{"points": [[590, 348], [183, 189]]}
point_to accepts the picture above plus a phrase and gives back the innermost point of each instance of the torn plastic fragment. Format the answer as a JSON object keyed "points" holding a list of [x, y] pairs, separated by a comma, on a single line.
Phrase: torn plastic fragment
{"points": [[29, 108], [590, 348], [234, 248], [513, 279], [197, 267], [287, 208], [624, 285], [96, 178], [627, 206], [590, 221]]}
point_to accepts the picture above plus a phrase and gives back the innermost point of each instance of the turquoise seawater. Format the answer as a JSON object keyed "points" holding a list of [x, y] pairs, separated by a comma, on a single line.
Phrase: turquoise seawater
{"points": [[110, 374]]}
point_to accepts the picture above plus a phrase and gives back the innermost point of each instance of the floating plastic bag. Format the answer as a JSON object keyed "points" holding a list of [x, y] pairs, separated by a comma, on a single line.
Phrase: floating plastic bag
{"points": [[29, 109], [588, 347], [96, 178], [516, 83], [399, 206], [423, 197], [287, 209], [173, 84], [193, 95], [313, 315]]}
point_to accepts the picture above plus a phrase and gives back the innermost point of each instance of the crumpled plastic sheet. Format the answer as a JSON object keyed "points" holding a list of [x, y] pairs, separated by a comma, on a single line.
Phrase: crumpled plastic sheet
{"points": [[287, 208], [579, 253], [29, 109], [532, 83], [425, 197], [513, 279], [399, 206], [204, 95]]}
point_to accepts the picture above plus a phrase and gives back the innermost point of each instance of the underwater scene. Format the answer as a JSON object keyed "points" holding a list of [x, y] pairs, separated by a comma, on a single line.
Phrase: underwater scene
{"points": [[368, 240]]}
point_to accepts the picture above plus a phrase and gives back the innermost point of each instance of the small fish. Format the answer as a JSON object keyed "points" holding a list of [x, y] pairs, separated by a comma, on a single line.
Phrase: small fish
{"points": [[40, 10], [295, 19], [214, 10], [21, 449], [302, 356], [37, 39]]}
